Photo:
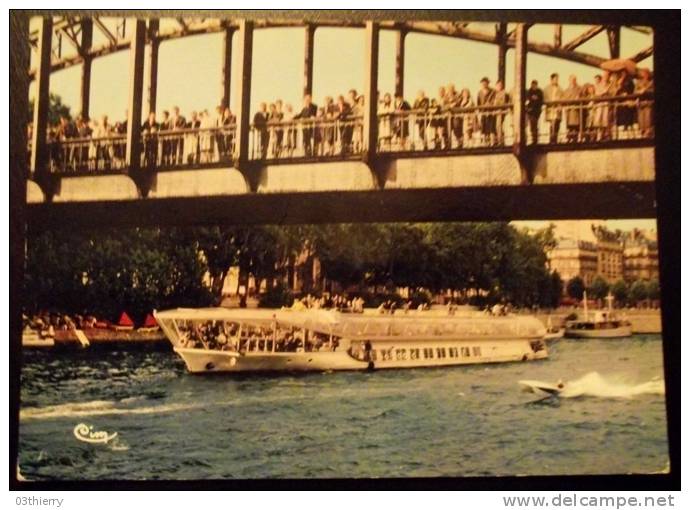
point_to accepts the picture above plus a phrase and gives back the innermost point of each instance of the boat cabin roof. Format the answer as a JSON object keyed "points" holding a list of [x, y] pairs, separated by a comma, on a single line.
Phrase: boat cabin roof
{"points": [[363, 326]]}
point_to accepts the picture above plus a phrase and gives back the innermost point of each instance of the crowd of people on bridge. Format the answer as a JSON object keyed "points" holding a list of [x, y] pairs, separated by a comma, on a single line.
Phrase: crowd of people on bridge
{"points": [[455, 118]]}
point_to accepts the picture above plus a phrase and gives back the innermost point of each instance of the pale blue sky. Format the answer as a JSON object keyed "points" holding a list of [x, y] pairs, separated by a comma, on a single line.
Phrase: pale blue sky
{"points": [[190, 69]]}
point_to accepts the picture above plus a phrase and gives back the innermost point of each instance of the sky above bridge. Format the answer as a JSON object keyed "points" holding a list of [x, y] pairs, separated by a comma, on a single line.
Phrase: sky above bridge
{"points": [[189, 72]]}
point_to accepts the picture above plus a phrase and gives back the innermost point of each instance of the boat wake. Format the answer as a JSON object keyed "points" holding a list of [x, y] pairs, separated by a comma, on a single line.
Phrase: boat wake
{"points": [[98, 408], [594, 384]]}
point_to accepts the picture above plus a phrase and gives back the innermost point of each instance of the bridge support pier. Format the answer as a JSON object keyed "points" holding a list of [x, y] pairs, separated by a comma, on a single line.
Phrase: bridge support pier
{"points": [[39, 142], [227, 66], [371, 122], [309, 32], [502, 51], [522, 152], [400, 61], [142, 177], [250, 169], [154, 45], [86, 42]]}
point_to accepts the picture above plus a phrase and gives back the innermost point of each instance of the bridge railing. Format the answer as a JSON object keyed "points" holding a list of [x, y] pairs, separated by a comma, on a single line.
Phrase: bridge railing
{"points": [[188, 147], [458, 128], [87, 155], [594, 120], [570, 122], [306, 138]]}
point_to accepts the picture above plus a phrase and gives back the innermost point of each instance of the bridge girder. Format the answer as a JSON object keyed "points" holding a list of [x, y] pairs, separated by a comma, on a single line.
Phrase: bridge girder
{"points": [[118, 40]]}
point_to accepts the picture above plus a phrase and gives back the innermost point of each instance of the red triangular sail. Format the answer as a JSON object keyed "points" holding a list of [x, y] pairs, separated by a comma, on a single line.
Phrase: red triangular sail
{"points": [[125, 320], [150, 322]]}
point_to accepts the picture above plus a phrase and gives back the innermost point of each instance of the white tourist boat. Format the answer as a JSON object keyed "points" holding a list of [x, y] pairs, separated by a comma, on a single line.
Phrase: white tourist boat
{"points": [[244, 340], [604, 324]]}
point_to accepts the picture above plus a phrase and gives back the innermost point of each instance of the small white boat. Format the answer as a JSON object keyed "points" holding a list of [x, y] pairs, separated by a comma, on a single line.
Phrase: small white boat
{"points": [[604, 324], [244, 340], [542, 388], [32, 338]]}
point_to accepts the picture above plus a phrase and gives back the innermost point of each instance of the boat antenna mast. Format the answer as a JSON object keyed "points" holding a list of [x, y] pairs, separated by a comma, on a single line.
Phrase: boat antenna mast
{"points": [[609, 300]]}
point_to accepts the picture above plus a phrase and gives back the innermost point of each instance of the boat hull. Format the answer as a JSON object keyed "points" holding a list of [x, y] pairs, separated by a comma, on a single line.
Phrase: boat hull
{"points": [[555, 335], [621, 332], [213, 361]]}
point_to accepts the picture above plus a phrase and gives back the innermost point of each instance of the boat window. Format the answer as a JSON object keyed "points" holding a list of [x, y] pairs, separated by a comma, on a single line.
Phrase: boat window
{"points": [[428, 353], [453, 352], [465, 352], [440, 352], [476, 351], [414, 353], [537, 345], [401, 354]]}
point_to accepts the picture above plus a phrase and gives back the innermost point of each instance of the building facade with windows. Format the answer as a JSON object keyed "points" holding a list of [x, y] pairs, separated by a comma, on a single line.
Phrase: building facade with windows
{"points": [[640, 256], [573, 258], [612, 255]]}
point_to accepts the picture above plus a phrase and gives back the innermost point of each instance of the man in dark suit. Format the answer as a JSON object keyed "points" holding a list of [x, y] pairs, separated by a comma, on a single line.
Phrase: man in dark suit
{"points": [[345, 115], [177, 122], [401, 127], [307, 114], [150, 133], [166, 140], [535, 100], [261, 128]]}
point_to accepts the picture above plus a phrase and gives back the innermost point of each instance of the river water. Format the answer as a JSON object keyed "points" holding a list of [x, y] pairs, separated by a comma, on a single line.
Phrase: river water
{"points": [[459, 421]]}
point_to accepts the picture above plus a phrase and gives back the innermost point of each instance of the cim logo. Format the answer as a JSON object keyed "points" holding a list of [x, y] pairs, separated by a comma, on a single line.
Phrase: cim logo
{"points": [[86, 434]]}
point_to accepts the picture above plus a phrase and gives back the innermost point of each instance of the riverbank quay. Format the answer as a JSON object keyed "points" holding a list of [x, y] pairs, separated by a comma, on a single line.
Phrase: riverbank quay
{"points": [[643, 321]]}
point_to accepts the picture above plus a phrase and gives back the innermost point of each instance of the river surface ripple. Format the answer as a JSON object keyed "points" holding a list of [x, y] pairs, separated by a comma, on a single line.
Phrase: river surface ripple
{"points": [[461, 421]]}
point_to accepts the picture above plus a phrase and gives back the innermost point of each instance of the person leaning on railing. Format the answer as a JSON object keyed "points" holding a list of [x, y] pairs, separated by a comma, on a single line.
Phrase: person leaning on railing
{"points": [[385, 110], [502, 99], [485, 97], [645, 113], [149, 131], [553, 93], [401, 126], [307, 114], [573, 112], [467, 119], [261, 130], [421, 107], [535, 102], [625, 110], [346, 115]]}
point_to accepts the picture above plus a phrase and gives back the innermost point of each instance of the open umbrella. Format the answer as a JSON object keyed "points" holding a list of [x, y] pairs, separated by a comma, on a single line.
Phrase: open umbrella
{"points": [[619, 64]]}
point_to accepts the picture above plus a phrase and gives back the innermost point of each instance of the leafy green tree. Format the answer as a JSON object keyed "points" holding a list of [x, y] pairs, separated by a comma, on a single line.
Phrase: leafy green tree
{"points": [[105, 273], [56, 109], [575, 288], [653, 290], [599, 288], [620, 291], [638, 291]]}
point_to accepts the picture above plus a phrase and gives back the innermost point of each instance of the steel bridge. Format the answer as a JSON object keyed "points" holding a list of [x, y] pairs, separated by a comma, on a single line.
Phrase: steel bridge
{"points": [[377, 167]]}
